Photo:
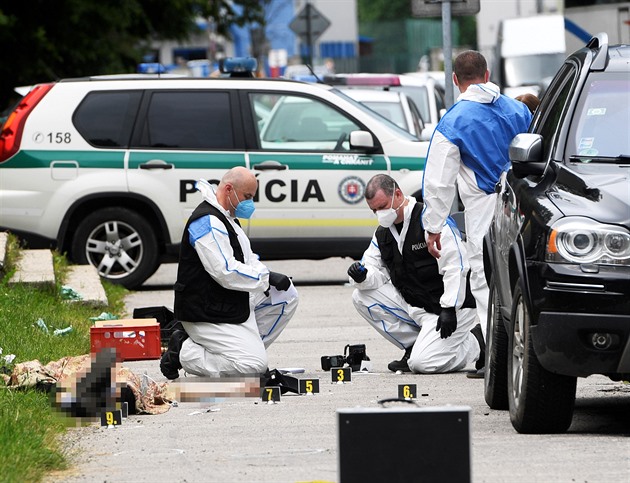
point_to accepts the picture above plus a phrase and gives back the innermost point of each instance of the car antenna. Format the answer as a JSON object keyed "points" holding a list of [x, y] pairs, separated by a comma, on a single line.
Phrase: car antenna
{"points": [[319, 81]]}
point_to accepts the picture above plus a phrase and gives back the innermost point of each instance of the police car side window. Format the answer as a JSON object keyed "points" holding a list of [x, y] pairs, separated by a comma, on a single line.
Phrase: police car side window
{"points": [[188, 120], [290, 122], [105, 119]]}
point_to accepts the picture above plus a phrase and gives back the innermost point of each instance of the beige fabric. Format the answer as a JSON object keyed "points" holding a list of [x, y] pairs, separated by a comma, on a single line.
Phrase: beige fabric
{"points": [[150, 397]]}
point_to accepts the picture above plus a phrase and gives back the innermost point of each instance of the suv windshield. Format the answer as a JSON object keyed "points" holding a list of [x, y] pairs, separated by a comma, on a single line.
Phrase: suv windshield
{"points": [[599, 131]]}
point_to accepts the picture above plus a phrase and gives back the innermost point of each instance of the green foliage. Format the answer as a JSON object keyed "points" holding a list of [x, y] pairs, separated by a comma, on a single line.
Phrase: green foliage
{"points": [[223, 13], [29, 427], [29, 433], [45, 40], [400, 40], [379, 10]]}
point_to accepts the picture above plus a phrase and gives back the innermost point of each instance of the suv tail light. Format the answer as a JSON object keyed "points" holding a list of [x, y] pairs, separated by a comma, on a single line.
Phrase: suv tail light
{"points": [[11, 134]]}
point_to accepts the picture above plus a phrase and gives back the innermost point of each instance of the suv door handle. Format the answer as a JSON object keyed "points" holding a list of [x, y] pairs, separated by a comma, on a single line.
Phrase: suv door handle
{"points": [[156, 164], [270, 165]]}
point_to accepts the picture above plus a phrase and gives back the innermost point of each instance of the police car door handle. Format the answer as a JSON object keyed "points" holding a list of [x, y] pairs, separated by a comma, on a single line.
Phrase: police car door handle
{"points": [[270, 165], [156, 164]]}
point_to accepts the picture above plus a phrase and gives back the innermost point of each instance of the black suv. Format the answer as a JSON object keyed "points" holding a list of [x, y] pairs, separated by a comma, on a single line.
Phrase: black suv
{"points": [[557, 254]]}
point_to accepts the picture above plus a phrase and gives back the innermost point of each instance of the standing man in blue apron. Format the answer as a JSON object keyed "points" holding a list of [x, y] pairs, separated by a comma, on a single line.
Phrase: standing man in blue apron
{"points": [[468, 153]]}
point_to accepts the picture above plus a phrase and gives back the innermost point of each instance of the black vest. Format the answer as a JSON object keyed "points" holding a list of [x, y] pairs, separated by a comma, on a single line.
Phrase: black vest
{"points": [[415, 272], [198, 297]]}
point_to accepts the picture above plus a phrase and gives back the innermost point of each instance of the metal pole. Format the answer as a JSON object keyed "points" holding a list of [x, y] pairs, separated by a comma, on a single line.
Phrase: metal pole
{"points": [[447, 50], [309, 34]]}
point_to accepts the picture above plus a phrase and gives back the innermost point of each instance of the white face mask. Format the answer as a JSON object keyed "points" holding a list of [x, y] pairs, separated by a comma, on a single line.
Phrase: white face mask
{"points": [[386, 218]]}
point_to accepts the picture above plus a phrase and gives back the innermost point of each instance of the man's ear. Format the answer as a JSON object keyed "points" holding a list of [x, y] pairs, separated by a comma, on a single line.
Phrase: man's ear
{"points": [[486, 77], [455, 80]]}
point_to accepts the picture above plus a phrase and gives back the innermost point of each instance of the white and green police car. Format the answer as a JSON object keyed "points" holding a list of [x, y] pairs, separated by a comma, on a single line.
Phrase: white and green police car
{"points": [[104, 168]]}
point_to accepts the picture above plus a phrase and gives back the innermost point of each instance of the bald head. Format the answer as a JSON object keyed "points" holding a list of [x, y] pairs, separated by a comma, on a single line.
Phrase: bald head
{"points": [[238, 184], [238, 176]]}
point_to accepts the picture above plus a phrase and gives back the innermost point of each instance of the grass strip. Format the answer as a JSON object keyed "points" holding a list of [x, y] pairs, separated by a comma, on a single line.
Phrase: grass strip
{"points": [[29, 426]]}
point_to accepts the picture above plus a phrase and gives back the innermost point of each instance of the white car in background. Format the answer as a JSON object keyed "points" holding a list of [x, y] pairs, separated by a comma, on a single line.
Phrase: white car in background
{"points": [[397, 107], [424, 90]]}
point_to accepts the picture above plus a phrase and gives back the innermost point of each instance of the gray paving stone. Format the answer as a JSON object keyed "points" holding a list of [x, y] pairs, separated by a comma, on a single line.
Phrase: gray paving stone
{"points": [[85, 281], [3, 249], [34, 267]]}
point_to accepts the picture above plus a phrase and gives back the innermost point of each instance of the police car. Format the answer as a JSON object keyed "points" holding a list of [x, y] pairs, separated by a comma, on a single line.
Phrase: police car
{"points": [[104, 168]]}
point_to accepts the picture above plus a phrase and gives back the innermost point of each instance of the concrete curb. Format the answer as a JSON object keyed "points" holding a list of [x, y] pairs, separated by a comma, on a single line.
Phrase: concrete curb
{"points": [[85, 281], [34, 267], [4, 238]]}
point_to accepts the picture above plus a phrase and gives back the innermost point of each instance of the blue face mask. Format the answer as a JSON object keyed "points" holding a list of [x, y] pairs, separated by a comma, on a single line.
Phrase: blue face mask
{"points": [[244, 209]]}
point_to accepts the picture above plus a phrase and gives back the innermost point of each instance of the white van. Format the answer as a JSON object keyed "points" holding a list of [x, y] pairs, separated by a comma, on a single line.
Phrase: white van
{"points": [[530, 50]]}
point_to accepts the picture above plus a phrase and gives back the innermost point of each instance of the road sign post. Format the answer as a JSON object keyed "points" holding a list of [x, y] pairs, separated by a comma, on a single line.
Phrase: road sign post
{"points": [[445, 9], [309, 25]]}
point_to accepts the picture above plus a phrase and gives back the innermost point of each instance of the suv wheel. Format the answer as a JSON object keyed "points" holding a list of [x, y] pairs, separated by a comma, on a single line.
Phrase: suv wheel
{"points": [[496, 380], [119, 243], [539, 401]]}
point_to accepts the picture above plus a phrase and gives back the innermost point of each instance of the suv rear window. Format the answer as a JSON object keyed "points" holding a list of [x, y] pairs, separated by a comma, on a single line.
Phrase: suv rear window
{"points": [[188, 120], [105, 119]]}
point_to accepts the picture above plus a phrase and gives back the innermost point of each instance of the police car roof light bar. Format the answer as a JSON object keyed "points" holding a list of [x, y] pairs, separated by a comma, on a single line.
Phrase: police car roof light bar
{"points": [[238, 66]]}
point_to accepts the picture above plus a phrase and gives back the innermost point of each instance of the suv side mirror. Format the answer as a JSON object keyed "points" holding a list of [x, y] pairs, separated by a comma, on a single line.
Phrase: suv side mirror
{"points": [[361, 140], [526, 155]]}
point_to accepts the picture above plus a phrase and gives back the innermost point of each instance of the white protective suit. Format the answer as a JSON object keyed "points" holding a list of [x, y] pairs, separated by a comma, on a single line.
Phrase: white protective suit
{"points": [[381, 304], [444, 167], [232, 349]]}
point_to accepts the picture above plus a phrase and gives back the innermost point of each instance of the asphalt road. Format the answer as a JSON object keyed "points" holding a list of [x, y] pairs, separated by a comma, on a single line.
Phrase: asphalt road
{"points": [[295, 440]]}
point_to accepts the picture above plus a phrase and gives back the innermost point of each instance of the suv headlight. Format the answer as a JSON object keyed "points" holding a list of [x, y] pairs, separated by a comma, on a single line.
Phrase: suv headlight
{"points": [[583, 240]]}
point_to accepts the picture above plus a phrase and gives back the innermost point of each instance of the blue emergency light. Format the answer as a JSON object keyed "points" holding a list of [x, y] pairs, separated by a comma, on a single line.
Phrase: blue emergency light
{"points": [[238, 66], [151, 68]]}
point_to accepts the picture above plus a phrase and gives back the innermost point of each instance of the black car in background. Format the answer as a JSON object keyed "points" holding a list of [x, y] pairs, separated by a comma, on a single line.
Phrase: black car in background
{"points": [[557, 254]]}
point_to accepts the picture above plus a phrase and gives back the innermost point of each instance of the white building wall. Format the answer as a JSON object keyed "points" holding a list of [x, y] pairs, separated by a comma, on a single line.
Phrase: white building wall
{"points": [[491, 12]]}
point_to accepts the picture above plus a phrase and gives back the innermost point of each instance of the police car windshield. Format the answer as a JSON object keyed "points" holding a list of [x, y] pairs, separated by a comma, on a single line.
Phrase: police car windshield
{"points": [[389, 124]]}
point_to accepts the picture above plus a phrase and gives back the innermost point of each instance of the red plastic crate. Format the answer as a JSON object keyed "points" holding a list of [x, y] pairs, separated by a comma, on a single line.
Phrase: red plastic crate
{"points": [[134, 339]]}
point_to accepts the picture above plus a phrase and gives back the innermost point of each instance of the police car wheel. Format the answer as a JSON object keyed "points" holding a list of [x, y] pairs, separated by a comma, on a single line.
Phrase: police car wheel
{"points": [[119, 243]]}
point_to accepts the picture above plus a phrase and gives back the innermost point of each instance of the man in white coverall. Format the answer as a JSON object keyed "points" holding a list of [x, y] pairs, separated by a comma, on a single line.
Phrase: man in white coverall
{"points": [[230, 305], [416, 302], [470, 145]]}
